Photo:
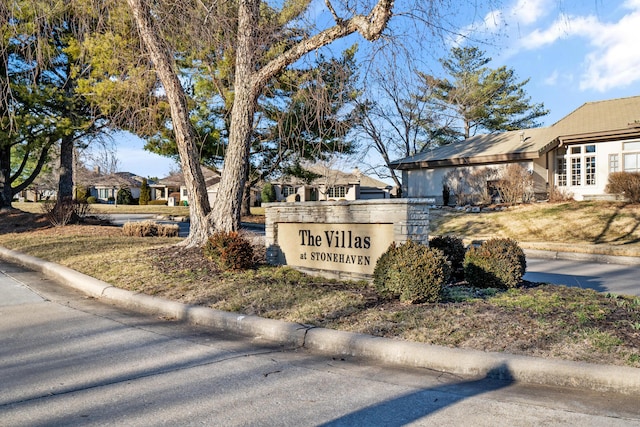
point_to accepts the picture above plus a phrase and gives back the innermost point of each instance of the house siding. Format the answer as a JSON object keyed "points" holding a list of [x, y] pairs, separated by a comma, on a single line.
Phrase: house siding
{"points": [[428, 183]]}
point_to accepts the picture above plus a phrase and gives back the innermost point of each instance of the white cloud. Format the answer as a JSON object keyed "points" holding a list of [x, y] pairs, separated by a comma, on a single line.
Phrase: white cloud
{"points": [[612, 59], [615, 58], [562, 28], [527, 12], [493, 21], [552, 79]]}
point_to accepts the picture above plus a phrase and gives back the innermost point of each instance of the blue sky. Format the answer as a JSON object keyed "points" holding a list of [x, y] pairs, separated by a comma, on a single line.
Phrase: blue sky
{"points": [[573, 51]]}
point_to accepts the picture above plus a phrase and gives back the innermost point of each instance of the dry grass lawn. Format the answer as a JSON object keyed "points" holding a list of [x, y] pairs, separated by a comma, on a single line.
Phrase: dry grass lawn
{"points": [[591, 227], [536, 319]]}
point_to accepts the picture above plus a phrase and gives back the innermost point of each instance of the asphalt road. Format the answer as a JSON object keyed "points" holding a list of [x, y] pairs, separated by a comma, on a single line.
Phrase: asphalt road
{"points": [[66, 359], [613, 278]]}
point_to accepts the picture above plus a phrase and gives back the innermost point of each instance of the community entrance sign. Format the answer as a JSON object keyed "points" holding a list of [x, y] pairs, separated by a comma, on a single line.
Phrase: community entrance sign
{"points": [[341, 239]]}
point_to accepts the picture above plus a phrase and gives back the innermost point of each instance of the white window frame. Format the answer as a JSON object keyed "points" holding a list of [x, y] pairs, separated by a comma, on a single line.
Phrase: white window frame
{"points": [[561, 171], [337, 192], [576, 171], [577, 166], [614, 163], [590, 170], [288, 190], [630, 156]]}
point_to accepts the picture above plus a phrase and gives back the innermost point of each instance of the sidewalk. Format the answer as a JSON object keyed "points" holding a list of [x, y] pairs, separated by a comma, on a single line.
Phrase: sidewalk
{"points": [[469, 363]]}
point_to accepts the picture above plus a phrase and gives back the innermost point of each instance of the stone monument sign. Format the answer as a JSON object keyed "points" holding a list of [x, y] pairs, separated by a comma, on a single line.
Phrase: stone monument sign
{"points": [[341, 239]]}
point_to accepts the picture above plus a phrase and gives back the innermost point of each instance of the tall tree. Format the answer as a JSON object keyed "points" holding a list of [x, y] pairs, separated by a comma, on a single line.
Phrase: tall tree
{"points": [[479, 98], [394, 122], [250, 47], [302, 115], [41, 106]]}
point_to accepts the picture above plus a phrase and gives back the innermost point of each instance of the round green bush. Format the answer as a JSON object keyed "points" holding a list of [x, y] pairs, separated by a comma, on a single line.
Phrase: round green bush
{"points": [[229, 251], [124, 196], [454, 250], [91, 200], [497, 263], [382, 268], [412, 272]]}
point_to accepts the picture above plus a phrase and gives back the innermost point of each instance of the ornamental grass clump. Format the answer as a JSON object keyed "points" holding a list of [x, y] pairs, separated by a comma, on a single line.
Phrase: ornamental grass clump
{"points": [[229, 251], [150, 229], [497, 263], [412, 272]]}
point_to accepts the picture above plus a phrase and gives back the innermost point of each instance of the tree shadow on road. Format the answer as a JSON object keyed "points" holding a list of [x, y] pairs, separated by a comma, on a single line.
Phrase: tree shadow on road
{"points": [[411, 407]]}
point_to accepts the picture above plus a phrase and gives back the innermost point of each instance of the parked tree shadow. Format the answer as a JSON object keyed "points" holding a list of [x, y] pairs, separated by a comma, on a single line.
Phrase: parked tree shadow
{"points": [[414, 406]]}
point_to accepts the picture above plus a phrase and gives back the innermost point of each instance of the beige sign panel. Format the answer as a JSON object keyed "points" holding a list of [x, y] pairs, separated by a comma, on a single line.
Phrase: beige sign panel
{"points": [[352, 248]]}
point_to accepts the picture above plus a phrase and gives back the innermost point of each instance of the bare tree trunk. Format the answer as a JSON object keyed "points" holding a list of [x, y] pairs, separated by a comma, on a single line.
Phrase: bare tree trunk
{"points": [[65, 181], [234, 174], [249, 83], [201, 227], [6, 193]]}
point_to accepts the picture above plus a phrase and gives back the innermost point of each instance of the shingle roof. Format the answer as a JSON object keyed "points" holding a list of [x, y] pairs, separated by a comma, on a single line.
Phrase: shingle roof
{"points": [[118, 179], [336, 177], [597, 121], [176, 179]]}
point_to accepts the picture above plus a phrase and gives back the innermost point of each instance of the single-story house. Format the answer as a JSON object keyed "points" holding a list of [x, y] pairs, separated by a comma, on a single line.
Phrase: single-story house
{"points": [[331, 185], [574, 156], [105, 187], [174, 184]]}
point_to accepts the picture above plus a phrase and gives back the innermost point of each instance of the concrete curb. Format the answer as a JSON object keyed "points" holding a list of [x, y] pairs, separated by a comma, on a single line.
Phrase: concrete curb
{"points": [[602, 378], [577, 256]]}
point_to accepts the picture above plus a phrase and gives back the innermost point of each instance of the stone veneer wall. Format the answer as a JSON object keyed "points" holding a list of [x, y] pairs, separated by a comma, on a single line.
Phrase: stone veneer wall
{"points": [[409, 217]]}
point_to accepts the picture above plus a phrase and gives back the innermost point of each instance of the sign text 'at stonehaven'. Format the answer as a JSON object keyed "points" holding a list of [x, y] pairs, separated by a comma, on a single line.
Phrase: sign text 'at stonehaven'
{"points": [[343, 247], [343, 238]]}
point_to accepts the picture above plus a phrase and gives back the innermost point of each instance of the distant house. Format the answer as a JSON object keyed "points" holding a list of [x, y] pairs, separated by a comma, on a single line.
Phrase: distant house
{"points": [[575, 155], [105, 187], [173, 187], [331, 185]]}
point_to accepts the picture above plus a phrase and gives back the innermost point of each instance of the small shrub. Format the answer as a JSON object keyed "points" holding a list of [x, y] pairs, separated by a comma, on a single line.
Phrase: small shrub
{"points": [[497, 263], [382, 268], [62, 212], [268, 193], [229, 251], [92, 200], [412, 272], [515, 184], [145, 193], [625, 183], [560, 195], [454, 250], [124, 196], [469, 185], [157, 202], [150, 229]]}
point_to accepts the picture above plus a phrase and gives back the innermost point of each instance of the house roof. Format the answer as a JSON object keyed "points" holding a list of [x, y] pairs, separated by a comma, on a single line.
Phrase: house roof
{"points": [[335, 177], [118, 179], [593, 121], [176, 179]]}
